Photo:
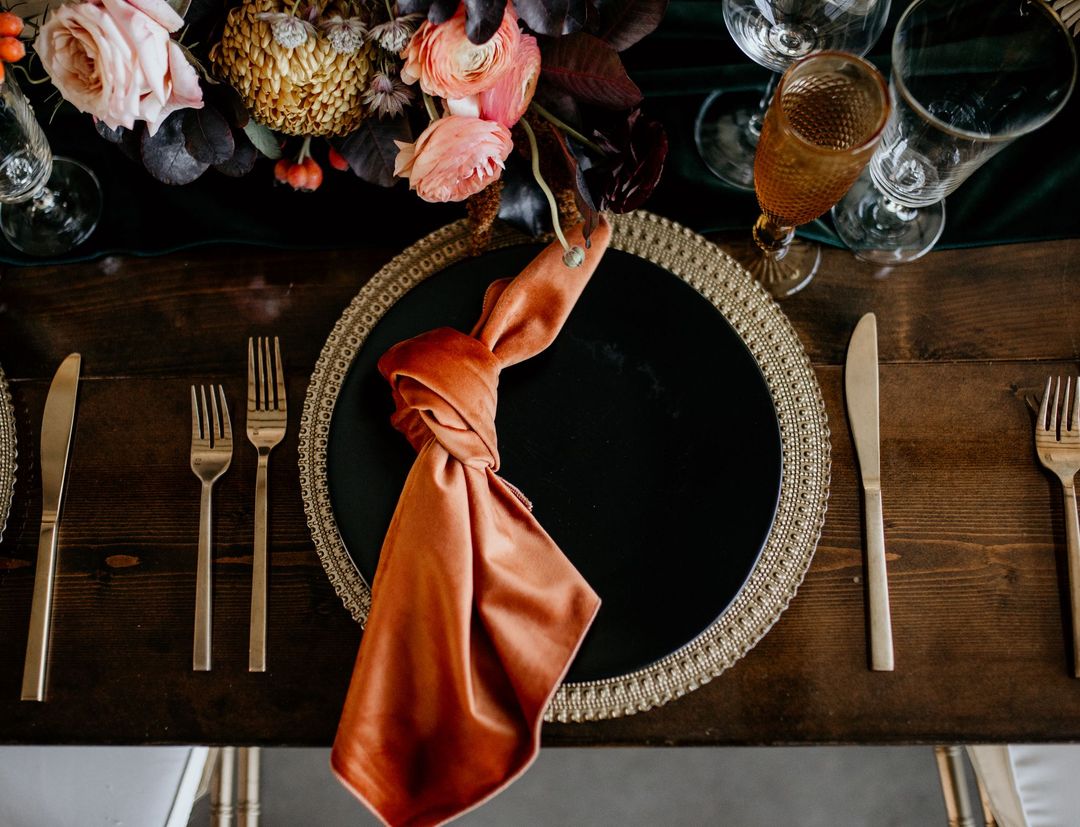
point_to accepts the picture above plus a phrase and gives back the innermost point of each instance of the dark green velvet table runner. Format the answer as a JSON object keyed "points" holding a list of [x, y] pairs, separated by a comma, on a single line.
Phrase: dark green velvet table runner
{"points": [[1028, 192]]}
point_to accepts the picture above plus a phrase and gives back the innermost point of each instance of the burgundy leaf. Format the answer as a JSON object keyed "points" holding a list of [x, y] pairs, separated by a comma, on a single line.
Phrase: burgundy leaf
{"points": [[521, 202], [552, 17], [635, 152], [242, 160], [371, 150], [207, 135], [624, 22], [165, 155], [591, 70], [482, 19], [442, 10], [113, 136], [414, 6]]}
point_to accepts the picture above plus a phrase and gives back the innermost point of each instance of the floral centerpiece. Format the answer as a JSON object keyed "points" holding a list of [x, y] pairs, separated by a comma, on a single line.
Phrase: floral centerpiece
{"points": [[523, 107]]}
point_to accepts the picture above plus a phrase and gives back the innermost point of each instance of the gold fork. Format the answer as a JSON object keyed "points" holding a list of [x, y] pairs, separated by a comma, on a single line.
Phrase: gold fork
{"points": [[267, 417], [1057, 442], [211, 453]]}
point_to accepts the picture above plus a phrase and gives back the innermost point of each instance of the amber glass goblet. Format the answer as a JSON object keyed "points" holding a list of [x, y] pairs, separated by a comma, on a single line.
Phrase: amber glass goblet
{"points": [[820, 131]]}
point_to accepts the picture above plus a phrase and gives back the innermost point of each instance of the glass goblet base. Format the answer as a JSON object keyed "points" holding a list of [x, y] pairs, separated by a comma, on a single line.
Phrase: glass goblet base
{"points": [[59, 216], [879, 230], [726, 134], [782, 272]]}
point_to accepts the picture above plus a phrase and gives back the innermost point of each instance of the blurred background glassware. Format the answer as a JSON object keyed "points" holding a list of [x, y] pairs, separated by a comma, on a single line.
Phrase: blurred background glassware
{"points": [[47, 205], [822, 127], [774, 33], [968, 77]]}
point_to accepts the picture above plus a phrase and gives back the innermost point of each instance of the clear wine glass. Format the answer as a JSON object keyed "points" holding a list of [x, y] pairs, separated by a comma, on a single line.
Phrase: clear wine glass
{"points": [[968, 78], [774, 33], [822, 127], [47, 205]]}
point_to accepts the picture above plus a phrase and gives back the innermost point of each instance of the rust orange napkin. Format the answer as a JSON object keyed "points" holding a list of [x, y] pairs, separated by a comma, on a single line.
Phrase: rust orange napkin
{"points": [[476, 614]]}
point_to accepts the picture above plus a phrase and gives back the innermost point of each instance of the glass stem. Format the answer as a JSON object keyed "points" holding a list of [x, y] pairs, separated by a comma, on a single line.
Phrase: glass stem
{"points": [[45, 201], [757, 120], [889, 215], [771, 238]]}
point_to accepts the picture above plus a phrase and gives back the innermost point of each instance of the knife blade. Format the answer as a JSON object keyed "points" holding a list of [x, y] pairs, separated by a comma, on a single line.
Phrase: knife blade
{"points": [[57, 426], [861, 393]]}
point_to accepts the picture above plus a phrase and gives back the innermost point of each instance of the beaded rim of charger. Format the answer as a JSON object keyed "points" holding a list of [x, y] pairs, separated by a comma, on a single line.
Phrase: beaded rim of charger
{"points": [[804, 435], [8, 452]]}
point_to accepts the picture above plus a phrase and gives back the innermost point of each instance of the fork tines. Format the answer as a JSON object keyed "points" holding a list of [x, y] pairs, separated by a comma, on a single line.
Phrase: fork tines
{"points": [[266, 377], [1050, 423], [210, 425]]}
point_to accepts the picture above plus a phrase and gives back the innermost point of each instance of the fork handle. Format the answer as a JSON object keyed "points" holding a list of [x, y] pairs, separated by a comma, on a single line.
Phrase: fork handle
{"points": [[257, 633], [1072, 544], [881, 644], [200, 661]]}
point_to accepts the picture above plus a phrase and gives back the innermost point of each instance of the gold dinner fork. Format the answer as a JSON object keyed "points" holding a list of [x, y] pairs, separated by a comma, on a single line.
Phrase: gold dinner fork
{"points": [[211, 453], [1057, 442], [266, 420]]}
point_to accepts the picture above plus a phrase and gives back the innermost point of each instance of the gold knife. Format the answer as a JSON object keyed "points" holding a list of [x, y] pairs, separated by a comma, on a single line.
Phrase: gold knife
{"points": [[57, 426], [861, 392]]}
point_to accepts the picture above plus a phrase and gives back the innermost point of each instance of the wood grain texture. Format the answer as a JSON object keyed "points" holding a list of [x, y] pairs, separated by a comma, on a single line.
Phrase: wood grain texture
{"points": [[974, 528]]}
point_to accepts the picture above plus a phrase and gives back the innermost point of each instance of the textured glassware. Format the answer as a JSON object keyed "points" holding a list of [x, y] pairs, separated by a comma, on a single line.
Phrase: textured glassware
{"points": [[822, 128], [47, 205], [774, 33], [968, 77]]}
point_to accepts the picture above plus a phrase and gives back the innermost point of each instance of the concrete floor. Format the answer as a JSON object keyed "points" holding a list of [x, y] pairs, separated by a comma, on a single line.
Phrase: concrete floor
{"points": [[728, 787]]}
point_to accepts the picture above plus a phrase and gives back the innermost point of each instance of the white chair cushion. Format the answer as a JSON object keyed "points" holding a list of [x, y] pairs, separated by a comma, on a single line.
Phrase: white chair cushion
{"points": [[1031, 785], [92, 786]]}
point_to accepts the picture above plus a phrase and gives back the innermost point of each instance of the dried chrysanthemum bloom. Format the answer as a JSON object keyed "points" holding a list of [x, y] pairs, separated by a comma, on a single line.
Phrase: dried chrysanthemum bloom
{"points": [[288, 30], [346, 34], [393, 35], [386, 96]]}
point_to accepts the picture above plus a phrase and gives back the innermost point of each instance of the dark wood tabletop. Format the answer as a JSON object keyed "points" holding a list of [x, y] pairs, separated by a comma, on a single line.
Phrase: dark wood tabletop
{"points": [[973, 525]]}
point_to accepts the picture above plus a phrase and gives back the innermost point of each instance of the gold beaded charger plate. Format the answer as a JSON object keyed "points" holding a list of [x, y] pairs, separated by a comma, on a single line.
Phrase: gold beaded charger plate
{"points": [[7, 452], [673, 440]]}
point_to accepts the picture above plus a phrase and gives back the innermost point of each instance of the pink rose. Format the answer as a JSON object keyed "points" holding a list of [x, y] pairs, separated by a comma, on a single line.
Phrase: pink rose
{"points": [[454, 157], [508, 99], [115, 60], [449, 65]]}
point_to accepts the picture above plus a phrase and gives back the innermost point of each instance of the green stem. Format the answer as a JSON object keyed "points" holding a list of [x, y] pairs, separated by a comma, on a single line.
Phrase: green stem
{"points": [[565, 127], [389, 9], [429, 104], [305, 150], [543, 184]]}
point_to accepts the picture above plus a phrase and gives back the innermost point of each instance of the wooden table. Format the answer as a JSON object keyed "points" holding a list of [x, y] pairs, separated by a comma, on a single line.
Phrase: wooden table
{"points": [[974, 526]]}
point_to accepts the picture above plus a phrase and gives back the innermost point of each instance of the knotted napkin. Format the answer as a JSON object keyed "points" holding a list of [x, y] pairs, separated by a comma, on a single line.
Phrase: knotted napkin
{"points": [[476, 614]]}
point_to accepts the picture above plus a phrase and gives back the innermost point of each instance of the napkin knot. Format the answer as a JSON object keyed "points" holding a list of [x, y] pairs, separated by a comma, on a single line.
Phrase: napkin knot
{"points": [[445, 386]]}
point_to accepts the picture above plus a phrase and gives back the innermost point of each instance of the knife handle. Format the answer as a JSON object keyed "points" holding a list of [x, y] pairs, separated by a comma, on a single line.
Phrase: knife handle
{"points": [[881, 648], [37, 644]]}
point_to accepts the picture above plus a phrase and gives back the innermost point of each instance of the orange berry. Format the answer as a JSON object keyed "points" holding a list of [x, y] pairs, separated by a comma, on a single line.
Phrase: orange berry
{"points": [[298, 177], [337, 161], [1, 72], [281, 170], [314, 173], [11, 49], [11, 25]]}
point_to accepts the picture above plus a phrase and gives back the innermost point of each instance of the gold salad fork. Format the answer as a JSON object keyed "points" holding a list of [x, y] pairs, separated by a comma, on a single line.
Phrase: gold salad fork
{"points": [[267, 418], [1057, 442], [211, 453]]}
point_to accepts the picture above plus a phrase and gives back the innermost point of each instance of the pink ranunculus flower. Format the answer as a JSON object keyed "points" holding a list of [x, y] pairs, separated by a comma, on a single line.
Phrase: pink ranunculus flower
{"points": [[449, 65], [508, 99], [115, 60], [454, 157]]}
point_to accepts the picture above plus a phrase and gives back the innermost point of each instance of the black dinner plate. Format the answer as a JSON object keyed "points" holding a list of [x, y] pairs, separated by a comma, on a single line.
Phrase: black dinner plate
{"points": [[645, 437]]}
